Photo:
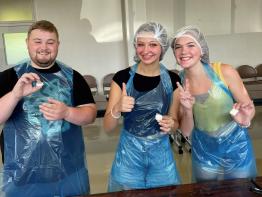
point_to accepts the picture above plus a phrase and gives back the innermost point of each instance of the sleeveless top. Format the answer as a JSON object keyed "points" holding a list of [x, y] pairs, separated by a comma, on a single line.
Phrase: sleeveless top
{"points": [[212, 113]]}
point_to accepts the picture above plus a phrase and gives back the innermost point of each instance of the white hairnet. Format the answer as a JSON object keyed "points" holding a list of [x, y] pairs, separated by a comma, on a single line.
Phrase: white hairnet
{"points": [[159, 33], [198, 37]]}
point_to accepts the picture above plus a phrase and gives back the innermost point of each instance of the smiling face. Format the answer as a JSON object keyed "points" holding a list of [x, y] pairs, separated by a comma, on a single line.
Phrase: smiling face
{"points": [[42, 47], [187, 52], [148, 50]]}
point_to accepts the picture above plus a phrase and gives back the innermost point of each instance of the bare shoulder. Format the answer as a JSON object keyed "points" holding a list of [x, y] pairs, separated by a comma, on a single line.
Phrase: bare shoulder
{"points": [[231, 76], [228, 71]]}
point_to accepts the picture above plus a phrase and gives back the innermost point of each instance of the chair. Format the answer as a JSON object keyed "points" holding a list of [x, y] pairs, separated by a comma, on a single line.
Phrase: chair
{"points": [[91, 81], [247, 73], [252, 79], [259, 71], [180, 141], [107, 84]]}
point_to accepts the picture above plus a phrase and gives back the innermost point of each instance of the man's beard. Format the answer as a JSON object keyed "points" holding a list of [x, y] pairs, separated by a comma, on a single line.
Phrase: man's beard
{"points": [[44, 63]]}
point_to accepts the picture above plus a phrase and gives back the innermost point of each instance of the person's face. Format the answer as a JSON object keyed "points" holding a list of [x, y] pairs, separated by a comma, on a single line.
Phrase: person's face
{"points": [[148, 49], [43, 48], [187, 52]]}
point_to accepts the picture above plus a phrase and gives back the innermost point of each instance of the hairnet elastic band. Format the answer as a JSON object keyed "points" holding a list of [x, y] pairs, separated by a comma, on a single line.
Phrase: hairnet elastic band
{"points": [[189, 36], [147, 35]]}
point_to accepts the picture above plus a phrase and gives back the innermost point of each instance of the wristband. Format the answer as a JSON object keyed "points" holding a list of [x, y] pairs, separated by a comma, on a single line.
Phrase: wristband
{"points": [[115, 117]]}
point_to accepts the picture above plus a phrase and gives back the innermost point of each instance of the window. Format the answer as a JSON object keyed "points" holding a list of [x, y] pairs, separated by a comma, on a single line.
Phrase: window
{"points": [[16, 10], [15, 18], [15, 47]]}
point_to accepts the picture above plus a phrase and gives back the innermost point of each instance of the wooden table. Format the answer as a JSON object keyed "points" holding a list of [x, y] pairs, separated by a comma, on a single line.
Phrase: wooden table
{"points": [[229, 188]]}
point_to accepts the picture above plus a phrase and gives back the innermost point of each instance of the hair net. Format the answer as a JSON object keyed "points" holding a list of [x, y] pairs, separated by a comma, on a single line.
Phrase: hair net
{"points": [[198, 37], [158, 32]]}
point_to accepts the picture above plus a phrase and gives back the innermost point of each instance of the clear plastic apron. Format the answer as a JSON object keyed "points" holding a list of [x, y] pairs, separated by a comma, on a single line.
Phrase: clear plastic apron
{"points": [[144, 158], [224, 153], [44, 158]]}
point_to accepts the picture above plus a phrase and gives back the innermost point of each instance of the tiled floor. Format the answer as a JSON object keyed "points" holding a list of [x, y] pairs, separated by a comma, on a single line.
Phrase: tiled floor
{"points": [[101, 147]]}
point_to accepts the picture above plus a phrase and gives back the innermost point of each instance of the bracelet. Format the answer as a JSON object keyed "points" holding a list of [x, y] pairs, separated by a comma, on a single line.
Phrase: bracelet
{"points": [[115, 117], [246, 126]]}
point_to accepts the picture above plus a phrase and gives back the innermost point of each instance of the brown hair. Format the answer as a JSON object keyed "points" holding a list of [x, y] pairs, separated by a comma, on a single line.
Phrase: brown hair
{"points": [[43, 25]]}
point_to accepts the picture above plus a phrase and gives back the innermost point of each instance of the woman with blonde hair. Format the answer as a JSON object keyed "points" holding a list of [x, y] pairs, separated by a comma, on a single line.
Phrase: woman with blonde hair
{"points": [[143, 93], [216, 108]]}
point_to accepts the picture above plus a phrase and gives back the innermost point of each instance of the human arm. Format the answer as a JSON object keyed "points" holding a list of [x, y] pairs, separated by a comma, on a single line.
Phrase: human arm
{"points": [[23, 87], [244, 105], [57, 110], [118, 102], [82, 112], [170, 122], [180, 112], [177, 116]]}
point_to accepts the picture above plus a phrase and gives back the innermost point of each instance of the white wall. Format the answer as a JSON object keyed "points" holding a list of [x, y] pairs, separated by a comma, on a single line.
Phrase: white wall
{"points": [[233, 28], [223, 25], [78, 47], [238, 41], [236, 49]]}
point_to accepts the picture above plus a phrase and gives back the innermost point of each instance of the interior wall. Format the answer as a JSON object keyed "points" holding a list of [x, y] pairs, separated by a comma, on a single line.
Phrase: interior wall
{"points": [[224, 30], [236, 49], [78, 47], [233, 34], [81, 49]]}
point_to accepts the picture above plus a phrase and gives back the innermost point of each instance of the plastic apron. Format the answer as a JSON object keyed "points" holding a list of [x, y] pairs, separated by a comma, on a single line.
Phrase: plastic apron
{"points": [[144, 158], [221, 148], [44, 158]]}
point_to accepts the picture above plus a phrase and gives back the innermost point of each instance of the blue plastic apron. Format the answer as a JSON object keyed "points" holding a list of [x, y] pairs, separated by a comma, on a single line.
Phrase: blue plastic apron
{"points": [[144, 158], [226, 153], [44, 158]]}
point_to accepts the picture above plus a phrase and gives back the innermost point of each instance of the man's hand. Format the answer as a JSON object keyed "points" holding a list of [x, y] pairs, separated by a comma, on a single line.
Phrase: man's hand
{"points": [[24, 86], [54, 110]]}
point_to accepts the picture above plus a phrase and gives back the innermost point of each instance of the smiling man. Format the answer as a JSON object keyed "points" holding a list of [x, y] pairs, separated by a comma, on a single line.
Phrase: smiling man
{"points": [[43, 105], [42, 47]]}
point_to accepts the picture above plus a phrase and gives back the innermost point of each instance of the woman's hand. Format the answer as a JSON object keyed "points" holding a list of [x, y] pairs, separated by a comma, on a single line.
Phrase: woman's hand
{"points": [[244, 114], [125, 104], [186, 99], [166, 124]]}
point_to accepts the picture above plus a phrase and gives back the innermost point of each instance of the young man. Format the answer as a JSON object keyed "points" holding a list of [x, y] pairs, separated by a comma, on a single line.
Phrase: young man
{"points": [[43, 105]]}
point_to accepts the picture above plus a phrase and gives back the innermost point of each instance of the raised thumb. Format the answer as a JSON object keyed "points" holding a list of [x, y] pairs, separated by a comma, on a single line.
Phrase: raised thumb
{"points": [[124, 89]]}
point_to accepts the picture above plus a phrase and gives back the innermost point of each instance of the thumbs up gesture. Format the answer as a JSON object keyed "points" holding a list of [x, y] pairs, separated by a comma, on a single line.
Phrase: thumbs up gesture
{"points": [[186, 99], [126, 102]]}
